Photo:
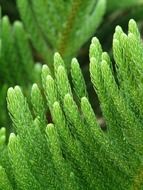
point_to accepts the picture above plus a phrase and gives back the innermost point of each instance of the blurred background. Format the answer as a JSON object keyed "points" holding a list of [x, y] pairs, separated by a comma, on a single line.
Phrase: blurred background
{"points": [[117, 13]]}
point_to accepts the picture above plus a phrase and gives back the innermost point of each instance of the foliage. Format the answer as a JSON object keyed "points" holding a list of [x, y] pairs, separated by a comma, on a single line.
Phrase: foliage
{"points": [[116, 5], [61, 26], [48, 32], [70, 150], [17, 64]]}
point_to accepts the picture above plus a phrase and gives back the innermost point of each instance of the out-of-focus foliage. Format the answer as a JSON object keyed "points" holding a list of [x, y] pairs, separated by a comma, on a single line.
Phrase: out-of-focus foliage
{"points": [[16, 61], [62, 26], [113, 5]]}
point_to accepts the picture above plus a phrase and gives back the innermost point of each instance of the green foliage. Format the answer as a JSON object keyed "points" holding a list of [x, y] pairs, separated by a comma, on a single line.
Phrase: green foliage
{"points": [[61, 26], [16, 60], [113, 5], [16, 54], [50, 26], [71, 151]]}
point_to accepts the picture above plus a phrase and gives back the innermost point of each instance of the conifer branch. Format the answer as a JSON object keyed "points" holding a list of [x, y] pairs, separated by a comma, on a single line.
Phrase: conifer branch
{"points": [[58, 32], [68, 26], [72, 151]]}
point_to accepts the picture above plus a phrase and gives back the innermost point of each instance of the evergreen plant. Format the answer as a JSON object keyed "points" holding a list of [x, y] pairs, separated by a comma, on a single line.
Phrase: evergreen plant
{"points": [[69, 150]]}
